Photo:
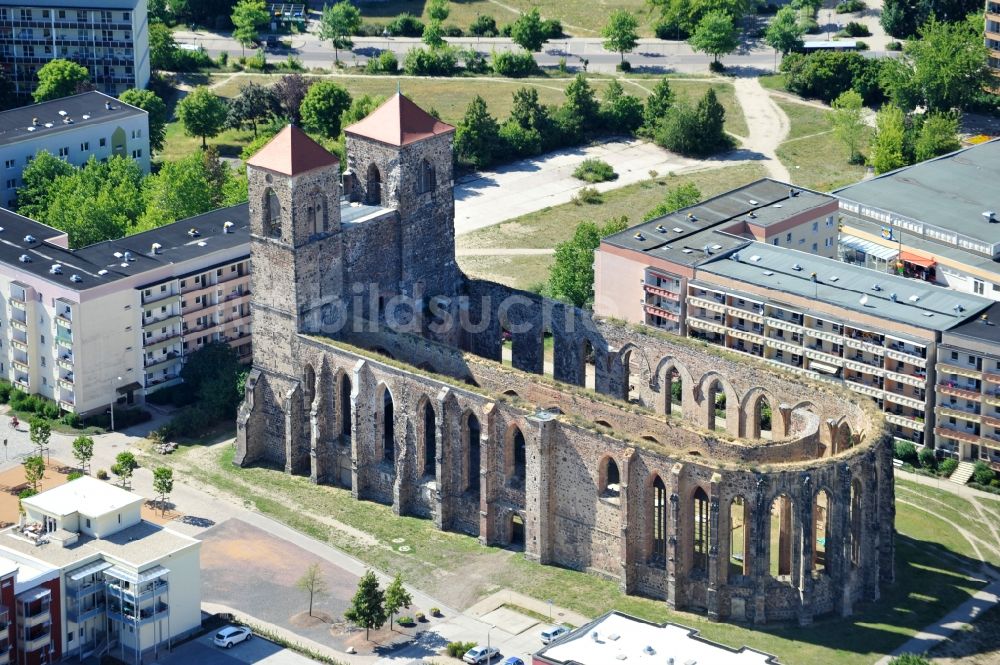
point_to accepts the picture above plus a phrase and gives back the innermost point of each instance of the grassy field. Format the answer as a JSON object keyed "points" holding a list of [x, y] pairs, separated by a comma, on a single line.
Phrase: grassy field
{"points": [[450, 97], [520, 272], [813, 155], [929, 561], [578, 18]]}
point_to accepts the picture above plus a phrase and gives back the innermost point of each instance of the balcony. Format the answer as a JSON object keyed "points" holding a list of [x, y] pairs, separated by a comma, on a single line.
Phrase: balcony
{"points": [[865, 367], [710, 305], [64, 341], [781, 324], [19, 345], [833, 338], [864, 388], [35, 619], [21, 365], [159, 588], [36, 643], [905, 421], [950, 388], [163, 321], [157, 343], [161, 362], [915, 380], [65, 363], [161, 299], [905, 400], [857, 343], [654, 290], [906, 357], [951, 411], [968, 436], [702, 324], [67, 405], [746, 335], [824, 356], [968, 372], [662, 313], [19, 325], [64, 321], [79, 615]]}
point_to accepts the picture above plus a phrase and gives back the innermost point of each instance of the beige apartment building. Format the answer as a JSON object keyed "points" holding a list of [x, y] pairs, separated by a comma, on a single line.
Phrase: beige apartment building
{"points": [[993, 34], [113, 321]]}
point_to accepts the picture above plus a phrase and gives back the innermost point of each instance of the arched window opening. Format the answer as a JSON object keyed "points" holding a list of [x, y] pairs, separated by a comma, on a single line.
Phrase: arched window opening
{"points": [[506, 344], [388, 435], [472, 436], [821, 531], [659, 549], [548, 354], [272, 214], [311, 219], [430, 440], [763, 417], [738, 537], [781, 536], [676, 388], [702, 537], [716, 400], [588, 366], [322, 218], [345, 407], [631, 374], [611, 483], [855, 523], [425, 179], [309, 389], [519, 456], [374, 187]]}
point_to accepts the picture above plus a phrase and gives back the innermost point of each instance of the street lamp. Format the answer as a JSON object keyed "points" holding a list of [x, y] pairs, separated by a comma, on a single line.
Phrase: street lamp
{"points": [[113, 397], [549, 601], [489, 657], [385, 34]]}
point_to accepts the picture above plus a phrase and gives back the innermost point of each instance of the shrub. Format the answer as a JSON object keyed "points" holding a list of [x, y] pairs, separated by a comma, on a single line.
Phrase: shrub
{"points": [[588, 195], [520, 141], [894, 46], [458, 649], [435, 612], [453, 31], [484, 26], [26, 493], [72, 420], [855, 29], [474, 61], [983, 474], [809, 25], [5, 390], [850, 6], [405, 621], [370, 30], [430, 62], [406, 25], [624, 66], [927, 458], [861, 46], [223, 59], [716, 66], [420, 617], [513, 64], [101, 474], [552, 29], [905, 451], [385, 63], [947, 467], [594, 170], [50, 410], [73, 475]]}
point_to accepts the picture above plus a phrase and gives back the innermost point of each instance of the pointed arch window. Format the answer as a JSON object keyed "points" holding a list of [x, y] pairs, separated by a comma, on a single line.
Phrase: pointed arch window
{"points": [[272, 214], [425, 178]]}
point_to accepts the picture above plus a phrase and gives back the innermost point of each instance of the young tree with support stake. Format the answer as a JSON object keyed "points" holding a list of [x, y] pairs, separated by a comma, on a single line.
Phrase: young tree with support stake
{"points": [[621, 33], [40, 433], [367, 608], [337, 24], [312, 582], [396, 597], [83, 451], [163, 485], [247, 17]]}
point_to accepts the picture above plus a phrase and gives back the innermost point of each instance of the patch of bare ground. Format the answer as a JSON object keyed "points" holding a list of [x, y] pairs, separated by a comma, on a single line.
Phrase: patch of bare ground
{"points": [[979, 644]]}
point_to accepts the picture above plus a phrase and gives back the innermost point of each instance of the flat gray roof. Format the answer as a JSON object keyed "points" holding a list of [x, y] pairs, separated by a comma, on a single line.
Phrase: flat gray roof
{"points": [[57, 116], [852, 287], [950, 192], [694, 234]]}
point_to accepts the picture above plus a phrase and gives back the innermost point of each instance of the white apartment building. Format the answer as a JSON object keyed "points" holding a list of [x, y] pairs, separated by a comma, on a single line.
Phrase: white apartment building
{"points": [[108, 37], [113, 321], [90, 577], [74, 128]]}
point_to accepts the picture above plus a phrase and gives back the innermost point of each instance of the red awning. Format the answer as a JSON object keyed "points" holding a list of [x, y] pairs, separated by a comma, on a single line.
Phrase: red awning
{"points": [[917, 260]]}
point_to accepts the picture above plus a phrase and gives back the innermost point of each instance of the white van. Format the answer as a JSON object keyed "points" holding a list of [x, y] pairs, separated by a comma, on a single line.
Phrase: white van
{"points": [[554, 633]]}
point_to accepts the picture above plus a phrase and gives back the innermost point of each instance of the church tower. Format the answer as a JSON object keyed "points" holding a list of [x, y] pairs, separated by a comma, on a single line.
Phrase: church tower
{"points": [[401, 158], [296, 278]]}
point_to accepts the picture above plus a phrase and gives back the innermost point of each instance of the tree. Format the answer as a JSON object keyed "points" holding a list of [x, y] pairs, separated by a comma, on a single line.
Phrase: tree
{"points": [[528, 32], [40, 431], [162, 47], [477, 135], [784, 33], [438, 10], [312, 582], [60, 78], [323, 106], [253, 105], [163, 485], [124, 466], [581, 101], [202, 113], [290, 90], [337, 24], [711, 116], [396, 597], [360, 108], [938, 136], [38, 177], [83, 451], [180, 189], [715, 35], [680, 197], [621, 112], [982, 473], [849, 123], [433, 34], [909, 659], [34, 470], [247, 17], [571, 278], [901, 18], [621, 33], [210, 377], [661, 99], [156, 110], [949, 63], [887, 151], [367, 608]]}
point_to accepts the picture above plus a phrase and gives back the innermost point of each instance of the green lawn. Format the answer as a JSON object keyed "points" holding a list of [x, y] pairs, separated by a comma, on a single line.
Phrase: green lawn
{"points": [[925, 589], [578, 18], [546, 228], [805, 120], [520, 272], [813, 155]]}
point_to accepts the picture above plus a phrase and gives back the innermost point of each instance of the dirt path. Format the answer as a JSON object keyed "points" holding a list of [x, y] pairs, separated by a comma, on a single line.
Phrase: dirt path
{"points": [[767, 123]]}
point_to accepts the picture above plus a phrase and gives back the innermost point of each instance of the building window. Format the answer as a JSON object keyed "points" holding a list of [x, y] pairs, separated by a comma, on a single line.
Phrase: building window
{"points": [[9, 163], [954, 355], [788, 237], [136, 154], [11, 183], [64, 152], [85, 146], [977, 287], [103, 142], [815, 227], [815, 247]]}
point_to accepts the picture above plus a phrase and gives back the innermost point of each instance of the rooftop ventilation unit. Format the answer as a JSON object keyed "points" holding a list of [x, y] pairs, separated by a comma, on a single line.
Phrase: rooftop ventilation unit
{"points": [[193, 232], [687, 250], [24, 258], [649, 650], [86, 116], [229, 225], [75, 278], [796, 266], [661, 228], [753, 202], [31, 129], [107, 105], [735, 256], [117, 255], [201, 243], [793, 192], [876, 287], [990, 216], [639, 237], [755, 258], [594, 636], [914, 298], [67, 121], [716, 247], [34, 122], [692, 217], [753, 215], [613, 637], [48, 124], [28, 239], [123, 264], [768, 272], [834, 278], [102, 272], [892, 297], [959, 308], [56, 269], [776, 205], [62, 113], [678, 229], [813, 277], [128, 256], [863, 300], [155, 248], [707, 250]]}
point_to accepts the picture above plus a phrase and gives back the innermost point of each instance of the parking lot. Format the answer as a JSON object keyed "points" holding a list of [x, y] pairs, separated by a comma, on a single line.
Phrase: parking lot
{"points": [[257, 651]]}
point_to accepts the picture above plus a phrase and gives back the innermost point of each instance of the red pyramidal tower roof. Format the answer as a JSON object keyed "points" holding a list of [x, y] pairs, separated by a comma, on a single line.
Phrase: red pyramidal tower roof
{"points": [[292, 152], [399, 122]]}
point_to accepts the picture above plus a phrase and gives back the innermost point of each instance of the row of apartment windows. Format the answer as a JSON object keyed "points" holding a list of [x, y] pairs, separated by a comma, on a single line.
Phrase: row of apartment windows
{"points": [[828, 242], [27, 14], [972, 360]]}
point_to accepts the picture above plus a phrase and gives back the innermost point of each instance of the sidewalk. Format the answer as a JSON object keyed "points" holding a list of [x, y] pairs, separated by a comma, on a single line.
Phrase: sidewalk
{"points": [[946, 485]]}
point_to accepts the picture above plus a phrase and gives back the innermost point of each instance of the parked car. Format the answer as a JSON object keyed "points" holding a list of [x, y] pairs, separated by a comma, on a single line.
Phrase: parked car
{"points": [[513, 660], [553, 634], [231, 635], [481, 654]]}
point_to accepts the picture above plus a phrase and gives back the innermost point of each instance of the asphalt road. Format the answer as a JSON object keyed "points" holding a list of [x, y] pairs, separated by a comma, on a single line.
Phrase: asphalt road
{"points": [[257, 651]]}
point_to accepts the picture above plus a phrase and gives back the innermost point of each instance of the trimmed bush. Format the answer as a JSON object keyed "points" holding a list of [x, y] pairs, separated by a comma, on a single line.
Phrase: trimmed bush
{"points": [[484, 26], [453, 31], [905, 452], [624, 66], [73, 475], [420, 617], [430, 62], [458, 649], [894, 46], [927, 458], [72, 419], [406, 25], [947, 467], [405, 621], [513, 64], [850, 6], [855, 29], [594, 170], [983, 474], [101, 474], [435, 612], [385, 63]]}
